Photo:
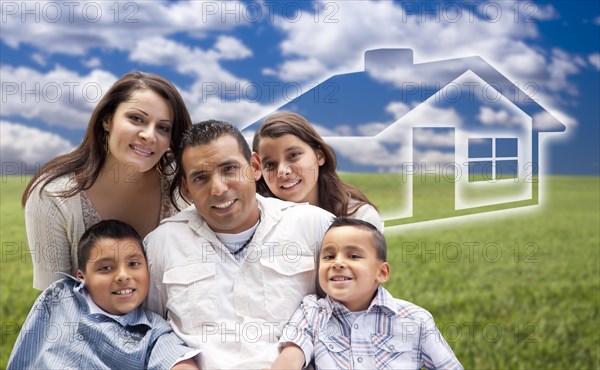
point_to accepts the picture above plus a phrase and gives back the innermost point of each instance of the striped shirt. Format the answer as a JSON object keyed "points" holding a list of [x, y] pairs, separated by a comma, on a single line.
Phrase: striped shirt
{"points": [[390, 334], [60, 332]]}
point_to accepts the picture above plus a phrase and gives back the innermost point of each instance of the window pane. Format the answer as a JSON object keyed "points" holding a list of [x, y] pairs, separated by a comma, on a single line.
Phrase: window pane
{"points": [[506, 169], [480, 148], [480, 171], [507, 148]]}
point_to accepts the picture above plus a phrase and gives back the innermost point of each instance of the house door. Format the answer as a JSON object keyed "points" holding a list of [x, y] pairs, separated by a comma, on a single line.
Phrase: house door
{"points": [[434, 172]]}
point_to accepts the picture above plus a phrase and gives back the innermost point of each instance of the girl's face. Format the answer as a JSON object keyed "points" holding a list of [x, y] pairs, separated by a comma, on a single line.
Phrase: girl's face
{"points": [[140, 131], [290, 168]]}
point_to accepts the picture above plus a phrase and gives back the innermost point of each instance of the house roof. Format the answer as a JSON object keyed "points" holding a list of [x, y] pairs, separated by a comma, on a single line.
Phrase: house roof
{"points": [[358, 92]]}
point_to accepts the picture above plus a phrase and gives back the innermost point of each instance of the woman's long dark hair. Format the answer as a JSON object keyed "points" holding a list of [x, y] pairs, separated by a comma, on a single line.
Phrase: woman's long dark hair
{"points": [[87, 159], [334, 194]]}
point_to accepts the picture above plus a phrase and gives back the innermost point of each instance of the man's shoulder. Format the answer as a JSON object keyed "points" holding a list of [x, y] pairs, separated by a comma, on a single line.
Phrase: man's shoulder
{"points": [[291, 209], [176, 222]]}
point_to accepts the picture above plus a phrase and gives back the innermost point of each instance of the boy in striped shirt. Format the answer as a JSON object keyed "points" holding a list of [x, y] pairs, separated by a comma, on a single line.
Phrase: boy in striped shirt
{"points": [[97, 320], [359, 325]]}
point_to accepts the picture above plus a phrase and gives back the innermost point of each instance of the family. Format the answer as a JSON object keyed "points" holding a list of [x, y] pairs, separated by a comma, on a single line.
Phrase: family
{"points": [[161, 244]]}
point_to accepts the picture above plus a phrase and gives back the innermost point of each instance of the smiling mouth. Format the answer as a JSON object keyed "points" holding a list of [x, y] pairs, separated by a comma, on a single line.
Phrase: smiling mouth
{"points": [[340, 278], [291, 184], [142, 151], [124, 291], [224, 205]]}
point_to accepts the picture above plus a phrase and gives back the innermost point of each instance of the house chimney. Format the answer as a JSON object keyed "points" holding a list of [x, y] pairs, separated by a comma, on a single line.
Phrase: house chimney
{"points": [[384, 58]]}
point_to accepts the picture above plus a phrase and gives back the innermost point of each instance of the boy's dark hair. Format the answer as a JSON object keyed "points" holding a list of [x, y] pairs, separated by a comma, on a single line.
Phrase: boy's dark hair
{"points": [[376, 235], [109, 229], [204, 133]]}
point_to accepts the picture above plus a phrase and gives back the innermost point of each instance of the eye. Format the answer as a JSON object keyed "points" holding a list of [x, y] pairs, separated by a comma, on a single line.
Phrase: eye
{"points": [[105, 268], [165, 128], [295, 155], [136, 119], [200, 178], [355, 256], [268, 166], [327, 257], [135, 264]]}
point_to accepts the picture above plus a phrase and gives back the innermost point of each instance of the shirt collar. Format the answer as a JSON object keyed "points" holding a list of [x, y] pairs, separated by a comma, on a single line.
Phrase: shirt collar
{"points": [[383, 300], [271, 212]]}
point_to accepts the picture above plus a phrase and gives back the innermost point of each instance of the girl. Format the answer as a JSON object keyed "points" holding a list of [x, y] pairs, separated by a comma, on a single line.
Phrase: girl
{"points": [[298, 166], [121, 170]]}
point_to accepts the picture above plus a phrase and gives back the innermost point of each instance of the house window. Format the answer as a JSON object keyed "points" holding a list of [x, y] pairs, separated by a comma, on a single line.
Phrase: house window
{"points": [[493, 159]]}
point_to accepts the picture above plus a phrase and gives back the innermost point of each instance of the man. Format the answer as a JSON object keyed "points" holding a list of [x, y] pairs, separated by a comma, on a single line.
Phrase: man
{"points": [[229, 271]]}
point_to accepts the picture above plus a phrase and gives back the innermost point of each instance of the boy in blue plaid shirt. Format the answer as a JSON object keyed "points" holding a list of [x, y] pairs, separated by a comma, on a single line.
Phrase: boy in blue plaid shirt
{"points": [[359, 325], [97, 321]]}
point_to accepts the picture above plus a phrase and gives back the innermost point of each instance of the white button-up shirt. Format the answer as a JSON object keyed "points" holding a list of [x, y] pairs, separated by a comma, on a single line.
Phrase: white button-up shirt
{"points": [[234, 311]]}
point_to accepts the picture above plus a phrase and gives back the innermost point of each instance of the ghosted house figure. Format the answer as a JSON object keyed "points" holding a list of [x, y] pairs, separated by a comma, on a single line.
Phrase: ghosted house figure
{"points": [[461, 132]]}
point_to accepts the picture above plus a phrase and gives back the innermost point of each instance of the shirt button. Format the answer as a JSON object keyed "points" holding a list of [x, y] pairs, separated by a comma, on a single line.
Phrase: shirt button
{"points": [[392, 347], [331, 346], [80, 337], [355, 326], [359, 359]]}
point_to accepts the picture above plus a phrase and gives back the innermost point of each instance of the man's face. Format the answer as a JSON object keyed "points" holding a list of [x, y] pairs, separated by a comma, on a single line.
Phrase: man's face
{"points": [[221, 184]]}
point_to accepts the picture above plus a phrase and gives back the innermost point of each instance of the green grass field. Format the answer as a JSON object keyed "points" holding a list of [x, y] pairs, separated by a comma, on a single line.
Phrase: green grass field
{"points": [[510, 289]]}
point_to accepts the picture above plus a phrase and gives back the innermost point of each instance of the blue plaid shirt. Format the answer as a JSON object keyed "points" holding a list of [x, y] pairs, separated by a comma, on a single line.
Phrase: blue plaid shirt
{"points": [[390, 334], [60, 333]]}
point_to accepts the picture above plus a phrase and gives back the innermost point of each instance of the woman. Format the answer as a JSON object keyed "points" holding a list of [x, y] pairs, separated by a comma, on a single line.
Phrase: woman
{"points": [[121, 170], [298, 166]]}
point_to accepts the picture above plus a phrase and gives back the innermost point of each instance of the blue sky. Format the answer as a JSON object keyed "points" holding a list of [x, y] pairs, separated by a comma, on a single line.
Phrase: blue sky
{"points": [[240, 61]]}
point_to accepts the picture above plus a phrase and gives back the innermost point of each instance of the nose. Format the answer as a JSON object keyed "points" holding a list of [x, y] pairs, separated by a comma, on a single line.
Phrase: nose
{"points": [[283, 170], [122, 274], [338, 263], [148, 134], [218, 186]]}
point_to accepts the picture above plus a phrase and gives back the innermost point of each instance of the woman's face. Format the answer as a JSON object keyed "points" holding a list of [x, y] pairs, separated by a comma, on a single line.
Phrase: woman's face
{"points": [[140, 131], [290, 168]]}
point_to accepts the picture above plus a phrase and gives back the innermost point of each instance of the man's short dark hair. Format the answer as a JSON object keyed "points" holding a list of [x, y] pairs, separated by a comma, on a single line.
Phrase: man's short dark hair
{"points": [[105, 229], [376, 235], [206, 132]]}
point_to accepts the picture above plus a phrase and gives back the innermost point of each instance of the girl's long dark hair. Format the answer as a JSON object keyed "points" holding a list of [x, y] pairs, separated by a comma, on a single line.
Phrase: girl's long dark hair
{"points": [[334, 194], [87, 159]]}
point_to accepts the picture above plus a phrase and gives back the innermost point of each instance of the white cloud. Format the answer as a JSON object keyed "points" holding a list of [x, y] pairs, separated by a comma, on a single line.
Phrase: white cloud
{"points": [[488, 116], [29, 147], [73, 28], [594, 60], [92, 62], [60, 97], [597, 20], [500, 41], [541, 13], [202, 64], [231, 48], [39, 59], [368, 152], [432, 139]]}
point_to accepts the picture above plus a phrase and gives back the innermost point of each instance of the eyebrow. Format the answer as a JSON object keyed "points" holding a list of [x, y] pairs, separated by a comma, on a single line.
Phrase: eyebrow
{"points": [[229, 162], [103, 260], [295, 147], [134, 255], [328, 249]]}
